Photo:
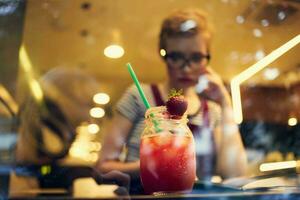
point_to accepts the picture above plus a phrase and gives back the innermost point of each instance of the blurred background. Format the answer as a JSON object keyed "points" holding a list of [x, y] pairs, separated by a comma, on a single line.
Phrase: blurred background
{"points": [[81, 46]]}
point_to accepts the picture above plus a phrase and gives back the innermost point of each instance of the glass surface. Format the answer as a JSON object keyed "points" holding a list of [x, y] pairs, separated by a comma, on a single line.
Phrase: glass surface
{"points": [[46, 43]]}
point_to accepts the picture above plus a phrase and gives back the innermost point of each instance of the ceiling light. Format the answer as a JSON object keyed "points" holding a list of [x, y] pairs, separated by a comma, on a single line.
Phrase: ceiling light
{"points": [[259, 55], [281, 15], [93, 128], [162, 52], [271, 73], [97, 112], [101, 98], [114, 51], [265, 22], [257, 32], [240, 19]]}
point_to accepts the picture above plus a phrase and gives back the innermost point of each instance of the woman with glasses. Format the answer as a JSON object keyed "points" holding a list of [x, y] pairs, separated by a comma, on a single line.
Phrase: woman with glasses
{"points": [[184, 46]]}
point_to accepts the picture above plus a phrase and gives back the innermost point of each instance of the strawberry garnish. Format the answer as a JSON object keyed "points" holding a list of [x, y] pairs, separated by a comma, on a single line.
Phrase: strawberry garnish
{"points": [[176, 104]]}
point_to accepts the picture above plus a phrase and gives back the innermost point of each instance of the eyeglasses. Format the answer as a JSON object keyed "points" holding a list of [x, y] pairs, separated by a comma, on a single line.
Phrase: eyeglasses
{"points": [[179, 60]]}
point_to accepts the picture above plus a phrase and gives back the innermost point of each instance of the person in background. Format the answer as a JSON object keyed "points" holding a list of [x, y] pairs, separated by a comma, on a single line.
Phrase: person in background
{"points": [[48, 123], [184, 45], [47, 130]]}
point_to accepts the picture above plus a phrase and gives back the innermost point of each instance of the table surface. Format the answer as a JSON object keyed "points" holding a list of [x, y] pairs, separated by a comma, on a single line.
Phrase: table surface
{"points": [[201, 190], [227, 195], [212, 193]]}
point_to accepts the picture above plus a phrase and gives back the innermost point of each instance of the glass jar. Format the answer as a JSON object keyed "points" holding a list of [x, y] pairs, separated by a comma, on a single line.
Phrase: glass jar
{"points": [[167, 153]]}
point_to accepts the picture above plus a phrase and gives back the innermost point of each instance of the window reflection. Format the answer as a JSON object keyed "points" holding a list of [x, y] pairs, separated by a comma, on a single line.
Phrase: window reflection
{"points": [[62, 85]]}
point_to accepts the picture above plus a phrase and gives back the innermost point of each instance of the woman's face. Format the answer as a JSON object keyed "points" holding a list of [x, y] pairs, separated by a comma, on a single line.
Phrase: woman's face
{"points": [[186, 60]]}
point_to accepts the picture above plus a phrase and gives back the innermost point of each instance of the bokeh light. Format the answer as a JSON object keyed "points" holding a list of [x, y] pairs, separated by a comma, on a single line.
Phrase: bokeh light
{"points": [[101, 98], [114, 51], [93, 128], [97, 112]]}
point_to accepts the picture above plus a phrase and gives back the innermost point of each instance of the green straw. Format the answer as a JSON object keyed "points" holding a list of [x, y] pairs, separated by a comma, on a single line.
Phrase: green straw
{"points": [[142, 94], [137, 83]]}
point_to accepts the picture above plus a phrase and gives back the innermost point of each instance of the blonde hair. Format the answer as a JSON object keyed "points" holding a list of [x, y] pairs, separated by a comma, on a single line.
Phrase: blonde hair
{"points": [[185, 23]]}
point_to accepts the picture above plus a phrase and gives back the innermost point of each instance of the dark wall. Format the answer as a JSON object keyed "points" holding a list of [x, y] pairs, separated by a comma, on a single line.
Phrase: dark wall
{"points": [[266, 111], [271, 104], [268, 137]]}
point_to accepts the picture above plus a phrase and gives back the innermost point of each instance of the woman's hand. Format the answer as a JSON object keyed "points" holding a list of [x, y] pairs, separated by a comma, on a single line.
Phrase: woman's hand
{"points": [[114, 177], [214, 89]]}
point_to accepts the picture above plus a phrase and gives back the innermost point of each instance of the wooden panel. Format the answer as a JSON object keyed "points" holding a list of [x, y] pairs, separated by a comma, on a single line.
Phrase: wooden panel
{"points": [[270, 104]]}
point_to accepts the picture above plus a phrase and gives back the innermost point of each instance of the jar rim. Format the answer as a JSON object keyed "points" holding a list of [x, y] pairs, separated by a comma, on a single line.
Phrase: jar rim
{"points": [[160, 113]]}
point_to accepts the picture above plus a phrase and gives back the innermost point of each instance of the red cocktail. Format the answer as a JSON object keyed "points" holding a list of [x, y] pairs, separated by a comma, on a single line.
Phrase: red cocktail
{"points": [[167, 162]]}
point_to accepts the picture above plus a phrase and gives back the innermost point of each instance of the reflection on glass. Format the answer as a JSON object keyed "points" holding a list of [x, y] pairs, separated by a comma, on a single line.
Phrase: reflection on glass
{"points": [[249, 72], [246, 31]]}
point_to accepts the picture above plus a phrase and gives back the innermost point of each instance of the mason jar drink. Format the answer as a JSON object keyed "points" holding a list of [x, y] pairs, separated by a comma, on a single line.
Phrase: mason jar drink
{"points": [[167, 153]]}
